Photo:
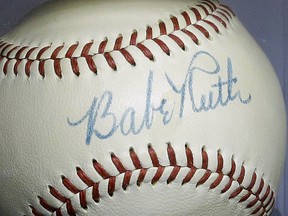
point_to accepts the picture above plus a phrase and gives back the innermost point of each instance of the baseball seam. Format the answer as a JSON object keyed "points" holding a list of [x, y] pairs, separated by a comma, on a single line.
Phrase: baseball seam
{"points": [[25, 56], [259, 198]]}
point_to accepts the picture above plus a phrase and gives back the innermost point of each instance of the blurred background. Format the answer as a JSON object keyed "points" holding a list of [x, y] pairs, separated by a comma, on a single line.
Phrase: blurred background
{"points": [[267, 21]]}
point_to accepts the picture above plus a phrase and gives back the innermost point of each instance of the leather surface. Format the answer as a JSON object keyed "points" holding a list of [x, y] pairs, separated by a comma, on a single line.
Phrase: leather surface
{"points": [[38, 145]]}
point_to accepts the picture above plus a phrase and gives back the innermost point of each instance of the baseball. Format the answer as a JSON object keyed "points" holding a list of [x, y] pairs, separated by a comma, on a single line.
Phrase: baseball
{"points": [[141, 108]]}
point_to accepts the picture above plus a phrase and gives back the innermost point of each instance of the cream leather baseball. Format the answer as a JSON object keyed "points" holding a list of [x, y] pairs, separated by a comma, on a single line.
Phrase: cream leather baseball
{"points": [[138, 108]]}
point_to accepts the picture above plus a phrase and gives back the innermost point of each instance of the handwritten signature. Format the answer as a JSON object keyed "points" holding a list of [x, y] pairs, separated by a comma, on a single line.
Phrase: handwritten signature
{"points": [[126, 124]]}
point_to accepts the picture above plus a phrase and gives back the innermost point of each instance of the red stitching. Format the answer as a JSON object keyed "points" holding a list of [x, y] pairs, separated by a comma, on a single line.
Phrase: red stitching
{"points": [[68, 184], [118, 164], [196, 13], [153, 156], [253, 181], [100, 170], [264, 204], [103, 46], [236, 193], [205, 177], [110, 60], [126, 180], [57, 194], [261, 186], [141, 177], [158, 175], [228, 8], [162, 27], [211, 5], [217, 181], [118, 43], [227, 187], [46, 205], [220, 20], [220, 163], [56, 52], [5, 68], [18, 54], [16, 67], [83, 201], [242, 175], [163, 46], [95, 193], [133, 40], [86, 49], [212, 25], [146, 51], [28, 54], [221, 14], [187, 18], [41, 68], [5, 48], [41, 52], [204, 9], [83, 176], [28, 68], [270, 203], [70, 209], [128, 57], [12, 50], [175, 23], [205, 159], [35, 212], [135, 159], [149, 33], [178, 41], [57, 67], [246, 197], [202, 30], [173, 174], [75, 66], [92, 64], [233, 168], [192, 36], [111, 185], [2, 43], [71, 50]]}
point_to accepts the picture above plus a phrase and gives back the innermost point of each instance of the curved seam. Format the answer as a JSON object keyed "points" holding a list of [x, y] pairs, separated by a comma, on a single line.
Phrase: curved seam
{"points": [[266, 200], [118, 44]]}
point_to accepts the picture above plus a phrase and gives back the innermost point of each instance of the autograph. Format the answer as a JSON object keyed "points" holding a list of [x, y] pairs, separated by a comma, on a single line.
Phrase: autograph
{"points": [[126, 124]]}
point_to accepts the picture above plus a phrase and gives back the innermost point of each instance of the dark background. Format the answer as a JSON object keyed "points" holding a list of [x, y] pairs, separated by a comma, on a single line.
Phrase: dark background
{"points": [[267, 21]]}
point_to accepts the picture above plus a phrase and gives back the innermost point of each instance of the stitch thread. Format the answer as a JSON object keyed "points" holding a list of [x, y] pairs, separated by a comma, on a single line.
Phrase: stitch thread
{"points": [[263, 205], [220, 13]]}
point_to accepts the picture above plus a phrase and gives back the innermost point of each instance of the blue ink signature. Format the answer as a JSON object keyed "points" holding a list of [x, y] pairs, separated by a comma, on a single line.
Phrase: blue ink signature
{"points": [[100, 109], [210, 103]]}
